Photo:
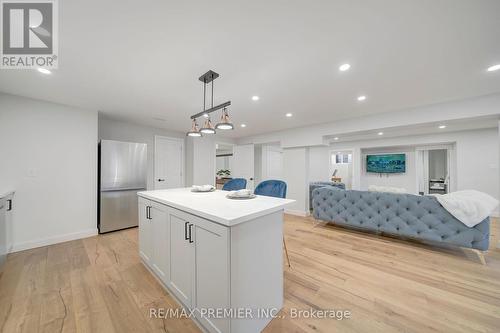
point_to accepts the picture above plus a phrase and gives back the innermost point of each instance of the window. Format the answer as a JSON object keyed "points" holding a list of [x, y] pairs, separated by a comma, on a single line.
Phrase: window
{"points": [[341, 158]]}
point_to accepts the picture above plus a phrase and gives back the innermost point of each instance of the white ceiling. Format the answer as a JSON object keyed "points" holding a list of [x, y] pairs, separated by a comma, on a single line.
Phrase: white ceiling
{"points": [[420, 129], [139, 60]]}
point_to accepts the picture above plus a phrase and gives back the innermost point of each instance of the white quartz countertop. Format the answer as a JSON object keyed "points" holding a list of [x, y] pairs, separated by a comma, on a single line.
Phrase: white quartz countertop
{"points": [[4, 193], [215, 206]]}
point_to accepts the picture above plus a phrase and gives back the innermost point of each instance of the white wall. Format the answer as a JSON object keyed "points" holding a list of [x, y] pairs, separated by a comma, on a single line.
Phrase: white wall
{"points": [[257, 157], [110, 129], [295, 174], [49, 157]]}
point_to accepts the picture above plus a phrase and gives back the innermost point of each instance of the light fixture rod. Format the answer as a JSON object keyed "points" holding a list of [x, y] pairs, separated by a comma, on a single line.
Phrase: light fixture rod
{"points": [[213, 109], [204, 94]]}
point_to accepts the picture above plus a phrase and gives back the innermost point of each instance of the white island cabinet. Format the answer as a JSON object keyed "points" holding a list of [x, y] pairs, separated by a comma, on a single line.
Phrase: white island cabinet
{"points": [[222, 258]]}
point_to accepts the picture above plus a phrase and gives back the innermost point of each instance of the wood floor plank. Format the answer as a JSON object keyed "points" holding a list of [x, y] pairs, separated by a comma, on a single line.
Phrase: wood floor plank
{"points": [[99, 284]]}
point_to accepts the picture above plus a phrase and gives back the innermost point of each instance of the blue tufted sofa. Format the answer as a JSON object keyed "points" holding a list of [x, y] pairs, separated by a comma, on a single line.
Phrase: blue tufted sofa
{"points": [[315, 185], [406, 215]]}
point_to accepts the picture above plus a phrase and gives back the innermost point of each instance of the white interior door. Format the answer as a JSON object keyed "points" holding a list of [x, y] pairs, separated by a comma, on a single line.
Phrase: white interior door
{"points": [[169, 163], [243, 163], [274, 164]]}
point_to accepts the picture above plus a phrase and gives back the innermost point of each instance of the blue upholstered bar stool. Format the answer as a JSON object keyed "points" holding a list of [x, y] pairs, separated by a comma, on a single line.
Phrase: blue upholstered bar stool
{"points": [[235, 184], [277, 189]]}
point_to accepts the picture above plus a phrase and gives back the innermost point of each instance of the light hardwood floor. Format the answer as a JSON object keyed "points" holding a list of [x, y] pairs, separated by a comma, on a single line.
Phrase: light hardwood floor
{"points": [[99, 285]]}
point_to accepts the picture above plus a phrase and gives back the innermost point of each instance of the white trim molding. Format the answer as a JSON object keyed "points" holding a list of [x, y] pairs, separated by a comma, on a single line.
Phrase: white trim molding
{"points": [[296, 212], [53, 240]]}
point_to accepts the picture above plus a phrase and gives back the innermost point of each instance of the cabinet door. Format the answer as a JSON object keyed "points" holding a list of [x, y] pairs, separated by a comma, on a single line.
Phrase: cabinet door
{"points": [[145, 232], [211, 274], [161, 241], [181, 259]]}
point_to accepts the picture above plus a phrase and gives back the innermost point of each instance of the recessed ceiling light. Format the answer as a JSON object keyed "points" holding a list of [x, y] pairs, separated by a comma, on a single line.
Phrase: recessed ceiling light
{"points": [[380, 133], [344, 67], [255, 98], [335, 138], [493, 68], [243, 125], [44, 71], [361, 98], [442, 126], [288, 115]]}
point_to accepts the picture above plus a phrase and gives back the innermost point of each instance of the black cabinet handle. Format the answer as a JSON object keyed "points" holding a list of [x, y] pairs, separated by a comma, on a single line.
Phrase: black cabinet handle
{"points": [[161, 180], [147, 212], [9, 207], [190, 239], [186, 231]]}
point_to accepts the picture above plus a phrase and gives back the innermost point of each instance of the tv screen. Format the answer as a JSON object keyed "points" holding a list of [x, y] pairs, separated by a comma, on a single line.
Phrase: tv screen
{"points": [[388, 163]]}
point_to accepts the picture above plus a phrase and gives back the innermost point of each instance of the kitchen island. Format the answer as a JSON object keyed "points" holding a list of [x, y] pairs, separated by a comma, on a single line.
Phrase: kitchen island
{"points": [[220, 257]]}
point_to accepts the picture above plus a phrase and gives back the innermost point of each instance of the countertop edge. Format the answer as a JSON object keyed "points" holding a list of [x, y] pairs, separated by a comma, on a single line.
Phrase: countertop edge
{"points": [[216, 219]]}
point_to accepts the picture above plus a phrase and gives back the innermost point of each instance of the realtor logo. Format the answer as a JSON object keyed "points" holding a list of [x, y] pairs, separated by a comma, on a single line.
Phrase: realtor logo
{"points": [[29, 34]]}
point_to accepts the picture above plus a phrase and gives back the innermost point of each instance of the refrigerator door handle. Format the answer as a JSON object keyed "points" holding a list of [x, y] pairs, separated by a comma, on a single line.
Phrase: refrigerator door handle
{"points": [[185, 231]]}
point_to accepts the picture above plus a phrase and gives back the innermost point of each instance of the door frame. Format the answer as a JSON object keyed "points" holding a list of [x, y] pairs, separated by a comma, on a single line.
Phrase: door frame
{"points": [[183, 157], [422, 161]]}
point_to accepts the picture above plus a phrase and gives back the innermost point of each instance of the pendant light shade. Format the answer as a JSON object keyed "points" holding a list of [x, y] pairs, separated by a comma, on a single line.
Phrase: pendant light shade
{"points": [[208, 128], [225, 122], [195, 131]]}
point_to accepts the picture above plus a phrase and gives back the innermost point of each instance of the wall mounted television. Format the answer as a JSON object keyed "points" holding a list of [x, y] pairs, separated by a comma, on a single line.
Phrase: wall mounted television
{"points": [[386, 163]]}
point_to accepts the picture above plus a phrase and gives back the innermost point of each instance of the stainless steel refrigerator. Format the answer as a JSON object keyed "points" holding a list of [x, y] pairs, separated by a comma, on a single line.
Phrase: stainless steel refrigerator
{"points": [[122, 173]]}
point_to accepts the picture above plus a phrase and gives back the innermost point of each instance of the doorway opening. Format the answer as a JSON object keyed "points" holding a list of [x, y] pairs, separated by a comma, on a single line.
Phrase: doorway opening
{"points": [[341, 167], [223, 164], [435, 169]]}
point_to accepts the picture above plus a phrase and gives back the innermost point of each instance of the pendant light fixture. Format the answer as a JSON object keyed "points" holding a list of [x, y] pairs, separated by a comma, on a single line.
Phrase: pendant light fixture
{"points": [[225, 122], [195, 131], [208, 128]]}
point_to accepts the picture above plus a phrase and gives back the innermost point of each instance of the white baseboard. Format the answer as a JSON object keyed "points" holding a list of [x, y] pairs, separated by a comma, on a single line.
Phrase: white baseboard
{"points": [[296, 212], [53, 240]]}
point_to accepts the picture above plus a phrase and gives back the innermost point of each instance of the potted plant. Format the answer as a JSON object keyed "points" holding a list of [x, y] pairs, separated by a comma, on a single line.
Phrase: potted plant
{"points": [[223, 173]]}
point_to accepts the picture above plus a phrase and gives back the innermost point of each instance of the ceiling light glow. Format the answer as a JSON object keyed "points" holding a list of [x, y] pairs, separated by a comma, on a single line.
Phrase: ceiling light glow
{"points": [[493, 68], [44, 71], [344, 67], [243, 125], [255, 98], [361, 98], [442, 126], [335, 138], [288, 115], [380, 133]]}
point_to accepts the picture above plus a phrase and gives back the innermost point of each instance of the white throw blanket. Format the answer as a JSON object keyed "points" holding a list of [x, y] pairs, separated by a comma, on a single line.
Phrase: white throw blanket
{"points": [[469, 207]]}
